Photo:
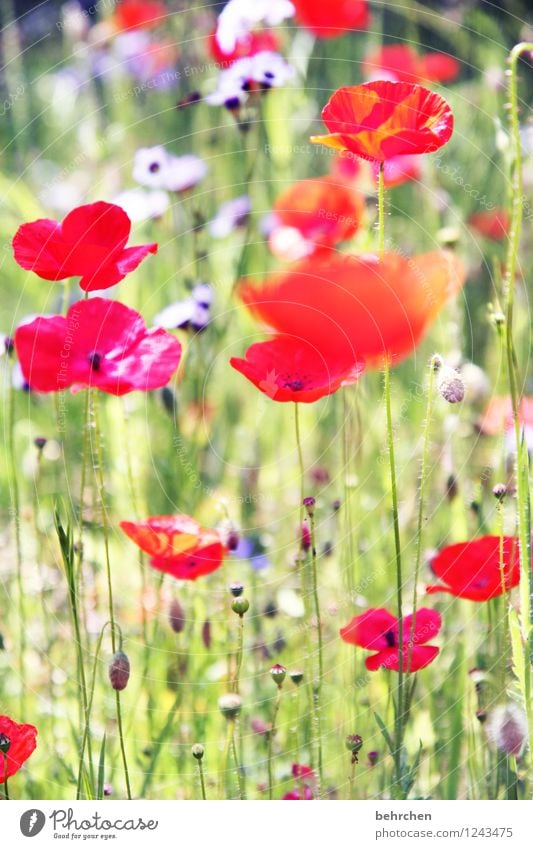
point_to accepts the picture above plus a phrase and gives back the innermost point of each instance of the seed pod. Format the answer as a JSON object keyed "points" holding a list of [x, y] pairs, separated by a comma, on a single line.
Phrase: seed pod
{"points": [[296, 676], [499, 491], [197, 751], [278, 673], [240, 605], [230, 705], [119, 671], [176, 617], [236, 589], [354, 743]]}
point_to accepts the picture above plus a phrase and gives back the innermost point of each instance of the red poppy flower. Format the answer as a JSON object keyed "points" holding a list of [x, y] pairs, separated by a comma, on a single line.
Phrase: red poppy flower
{"points": [[401, 63], [22, 742], [382, 119], [247, 45], [89, 243], [377, 629], [139, 14], [178, 545], [498, 416], [398, 170], [471, 569], [365, 307], [99, 343], [329, 20], [493, 224], [322, 210], [289, 369]]}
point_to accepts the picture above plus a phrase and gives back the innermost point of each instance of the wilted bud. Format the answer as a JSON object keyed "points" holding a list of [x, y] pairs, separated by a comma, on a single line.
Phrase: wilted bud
{"points": [[40, 442], [240, 605], [230, 705], [296, 676], [507, 728], [236, 589], [450, 385], [206, 633], [278, 673], [197, 751], [176, 617], [119, 671], [306, 537], [5, 744], [499, 491], [354, 744], [309, 504]]}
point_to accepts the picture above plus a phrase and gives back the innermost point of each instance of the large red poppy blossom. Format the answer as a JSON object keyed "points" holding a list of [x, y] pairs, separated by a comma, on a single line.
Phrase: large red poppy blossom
{"points": [[139, 14], [100, 343], [89, 243], [494, 224], [22, 740], [382, 119], [329, 20], [377, 629], [471, 569], [247, 45], [289, 369], [365, 307], [323, 210], [401, 63], [178, 545]]}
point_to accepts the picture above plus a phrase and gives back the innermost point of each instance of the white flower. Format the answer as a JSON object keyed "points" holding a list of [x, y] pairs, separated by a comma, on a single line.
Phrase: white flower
{"points": [[270, 69], [239, 17], [156, 168], [192, 311], [231, 215], [266, 69], [142, 204]]}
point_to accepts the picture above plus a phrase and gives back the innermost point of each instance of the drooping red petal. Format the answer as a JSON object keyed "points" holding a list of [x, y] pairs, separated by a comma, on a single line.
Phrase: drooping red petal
{"points": [[201, 560], [428, 623], [471, 570], [23, 741], [330, 20], [374, 629], [39, 247], [421, 656], [164, 536]]}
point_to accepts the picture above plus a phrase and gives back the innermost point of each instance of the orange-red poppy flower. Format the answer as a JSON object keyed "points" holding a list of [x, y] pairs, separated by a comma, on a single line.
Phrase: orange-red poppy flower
{"points": [[378, 630], [329, 20], [18, 742], [365, 307], [401, 63], [139, 14], [492, 223], [382, 119], [321, 209], [472, 569], [290, 369], [178, 545]]}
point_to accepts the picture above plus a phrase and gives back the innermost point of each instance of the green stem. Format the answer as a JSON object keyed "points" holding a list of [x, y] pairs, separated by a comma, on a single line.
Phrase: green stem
{"points": [[6, 791], [381, 210], [317, 684], [270, 742], [202, 779], [105, 526], [15, 500], [240, 652]]}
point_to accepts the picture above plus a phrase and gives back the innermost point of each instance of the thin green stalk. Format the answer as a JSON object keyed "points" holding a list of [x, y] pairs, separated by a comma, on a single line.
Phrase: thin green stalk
{"points": [[381, 210], [89, 708], [202, 779], [317, 683], [105, 526], [398, 716], [158, 745], [270, 742], [6, 791], [526, 577], [240, 652], [302, 470], [15, 500]]}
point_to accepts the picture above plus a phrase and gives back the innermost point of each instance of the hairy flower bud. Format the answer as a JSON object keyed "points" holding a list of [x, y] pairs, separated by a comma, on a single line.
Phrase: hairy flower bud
{"points": [[240, 605], [119, 671], [176, 617], [197, 751]]}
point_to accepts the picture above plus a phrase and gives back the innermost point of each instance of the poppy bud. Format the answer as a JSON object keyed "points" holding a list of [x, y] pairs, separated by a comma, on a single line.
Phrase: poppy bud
{"points": [[206, 633], [450, 385], [306, 537], [40, 442], [236, 589], [108, 790], [499, 491], [373, 758], [197, 751], [176, 617], [230, 705], [507, 728], [296, 676], [309, 504], [451, 487], [233, 540], [354, 743], [240, 606], [5, 744], [119, 671], [278, 673]]}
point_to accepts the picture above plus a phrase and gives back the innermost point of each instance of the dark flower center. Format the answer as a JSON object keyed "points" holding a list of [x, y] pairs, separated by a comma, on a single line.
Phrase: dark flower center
{"points": [[154, 167], [5, 744], [232, 103], [296, 385], [391, 639], [95, 361]]}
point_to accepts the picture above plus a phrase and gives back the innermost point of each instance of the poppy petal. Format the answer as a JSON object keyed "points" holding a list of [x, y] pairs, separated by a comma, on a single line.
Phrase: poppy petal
{"points": [[421, 656], [369, 630]]}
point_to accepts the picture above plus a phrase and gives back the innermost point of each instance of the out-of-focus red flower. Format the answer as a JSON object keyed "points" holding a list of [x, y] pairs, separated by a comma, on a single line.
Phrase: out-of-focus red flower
{"points": [[330, 20], [324, 211], [139, 14], [493, 224], [498, 416], [287, 368], [377, 629], [346, 167], [247, 45], [22, 740], [400, 63], [364, 307], [306, 779], [382, 119], [471, 569], [100, 343], [89, 243], [398, 170], [178, 545]]}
